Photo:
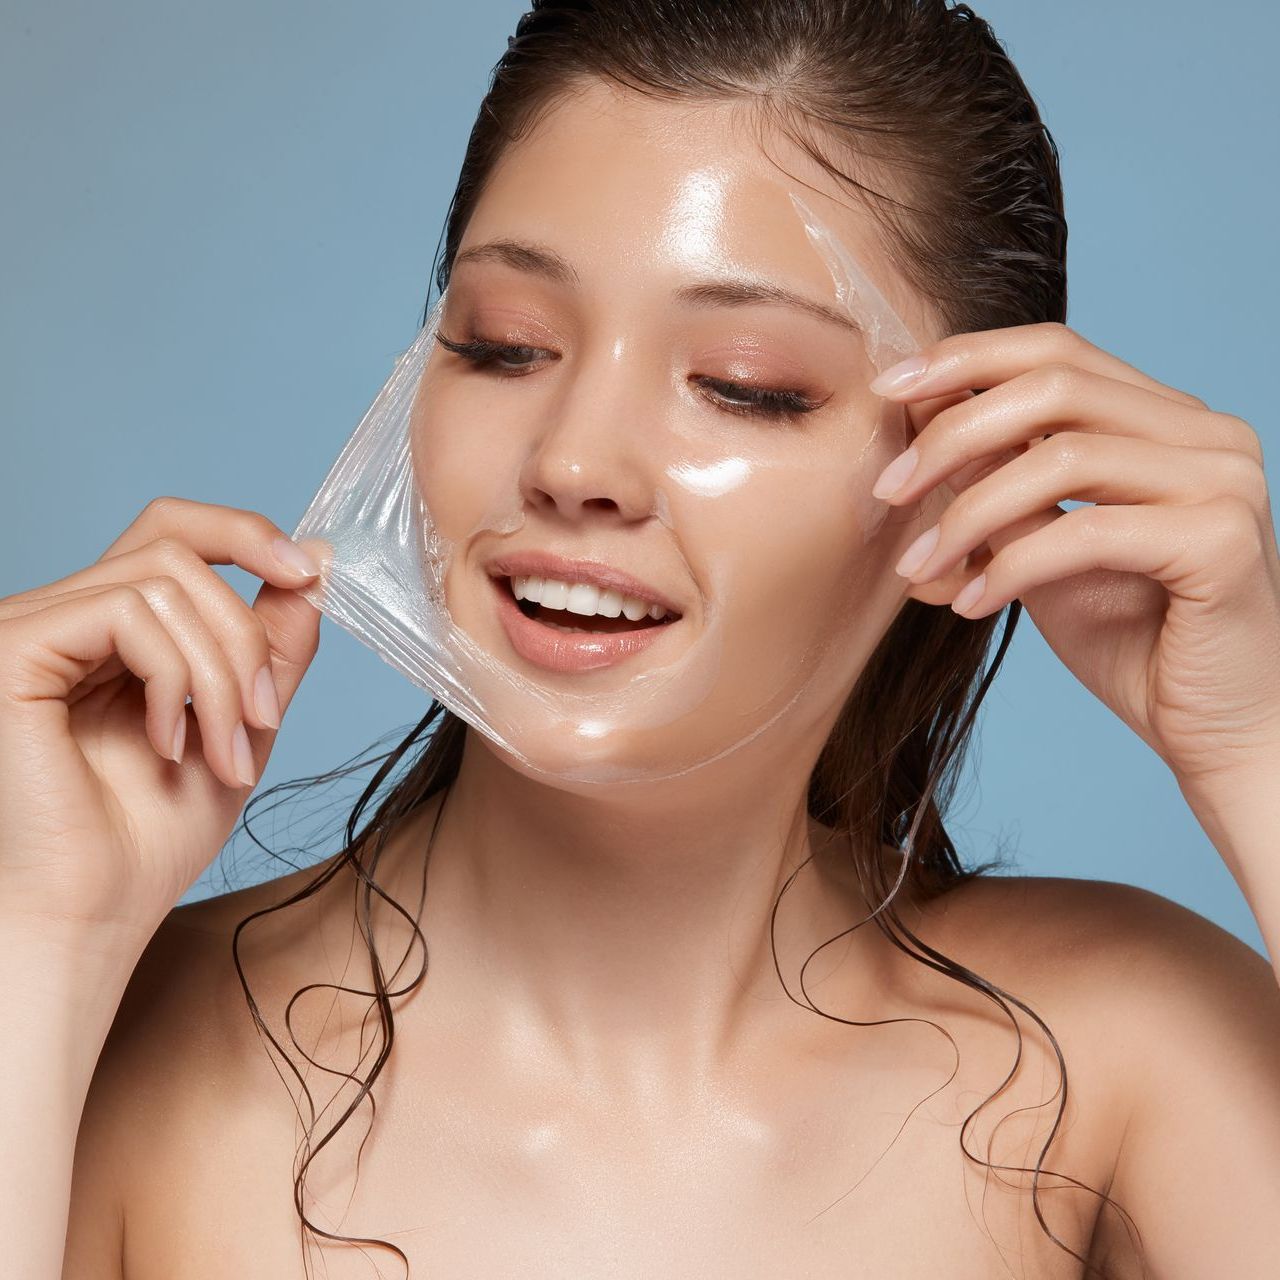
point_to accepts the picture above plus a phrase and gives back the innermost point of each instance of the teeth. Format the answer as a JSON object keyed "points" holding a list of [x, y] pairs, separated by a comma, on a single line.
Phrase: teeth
{"points": [[584, 599], [610, 603], [555, 595]]}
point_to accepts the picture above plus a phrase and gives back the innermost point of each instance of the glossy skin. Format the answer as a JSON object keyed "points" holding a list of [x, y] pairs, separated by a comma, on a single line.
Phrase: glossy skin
{"points": [[600, 1074]]}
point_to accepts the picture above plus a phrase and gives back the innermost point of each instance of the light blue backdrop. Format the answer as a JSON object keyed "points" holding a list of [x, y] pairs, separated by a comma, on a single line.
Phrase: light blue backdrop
{"points": [[217, 226]]}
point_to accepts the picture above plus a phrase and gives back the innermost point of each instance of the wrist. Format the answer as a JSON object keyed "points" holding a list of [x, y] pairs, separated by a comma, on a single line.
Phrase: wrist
{"points": [[1240, 813]]}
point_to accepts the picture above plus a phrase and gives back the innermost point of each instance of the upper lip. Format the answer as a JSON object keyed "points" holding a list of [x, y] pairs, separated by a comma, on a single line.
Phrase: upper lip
{"points": [[545, 564]]}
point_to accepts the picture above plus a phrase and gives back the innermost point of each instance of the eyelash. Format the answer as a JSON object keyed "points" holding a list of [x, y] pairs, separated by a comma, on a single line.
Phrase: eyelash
{"points": [[777, 403]]}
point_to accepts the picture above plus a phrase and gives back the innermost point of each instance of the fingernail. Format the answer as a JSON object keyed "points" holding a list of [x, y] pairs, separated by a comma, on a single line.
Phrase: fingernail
{"points": [[900, 375], [293, 557], [179, 736], [896, 474], [242, 755], [264, 697], [918, 552], [971, 594]]}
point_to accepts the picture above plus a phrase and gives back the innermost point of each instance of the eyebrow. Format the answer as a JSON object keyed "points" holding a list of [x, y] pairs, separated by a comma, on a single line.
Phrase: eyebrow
{"points": [[722, 291]]}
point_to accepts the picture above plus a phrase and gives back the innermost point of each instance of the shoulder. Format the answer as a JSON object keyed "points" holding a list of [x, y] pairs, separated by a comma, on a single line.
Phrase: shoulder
{"points": [[1113, 924], [1183, 1018], [182, 1065], [1117, 949]]}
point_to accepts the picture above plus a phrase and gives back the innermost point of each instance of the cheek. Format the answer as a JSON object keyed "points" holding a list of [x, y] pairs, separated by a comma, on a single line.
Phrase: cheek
{"points": [[785, 556], [459, 451]]}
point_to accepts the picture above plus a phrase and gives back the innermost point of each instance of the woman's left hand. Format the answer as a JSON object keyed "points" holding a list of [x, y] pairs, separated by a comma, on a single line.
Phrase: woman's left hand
{"points": [[1164, 597]]}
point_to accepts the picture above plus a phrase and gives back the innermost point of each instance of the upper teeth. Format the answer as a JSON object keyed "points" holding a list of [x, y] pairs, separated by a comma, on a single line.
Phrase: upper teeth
{"points": [[583, 598]]}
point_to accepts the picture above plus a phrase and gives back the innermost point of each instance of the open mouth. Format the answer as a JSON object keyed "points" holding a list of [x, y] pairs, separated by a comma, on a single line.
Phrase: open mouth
{"points": [[603, 627], [594, 624]]}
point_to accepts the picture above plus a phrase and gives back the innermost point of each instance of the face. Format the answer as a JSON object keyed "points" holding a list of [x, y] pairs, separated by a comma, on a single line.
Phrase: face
{"points": [[716, 446]]}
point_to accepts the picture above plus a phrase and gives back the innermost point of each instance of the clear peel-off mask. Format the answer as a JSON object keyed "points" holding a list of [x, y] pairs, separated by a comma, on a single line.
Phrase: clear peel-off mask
{"points": [[751, 530]]}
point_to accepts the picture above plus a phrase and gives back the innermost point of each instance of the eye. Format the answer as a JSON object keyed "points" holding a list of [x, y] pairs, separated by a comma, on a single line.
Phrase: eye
{"points": [[778, 403], [484, 354], [782, 403]]}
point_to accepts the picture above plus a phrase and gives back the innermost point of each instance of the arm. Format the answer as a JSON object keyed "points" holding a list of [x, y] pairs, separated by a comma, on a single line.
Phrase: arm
{"points": [[1197, 1024], [61, 994]]}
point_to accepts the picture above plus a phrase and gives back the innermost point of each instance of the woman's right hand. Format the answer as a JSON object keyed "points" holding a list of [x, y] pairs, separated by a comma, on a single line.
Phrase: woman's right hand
{"points": [[100, 830]]}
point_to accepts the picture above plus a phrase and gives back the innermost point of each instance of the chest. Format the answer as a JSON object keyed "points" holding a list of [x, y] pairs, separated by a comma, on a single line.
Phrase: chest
{"points": [[846, 1164]]}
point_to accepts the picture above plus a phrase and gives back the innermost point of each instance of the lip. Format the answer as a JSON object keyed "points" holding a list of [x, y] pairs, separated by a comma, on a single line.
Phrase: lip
{"points": [[544, 564], [566, 650]]}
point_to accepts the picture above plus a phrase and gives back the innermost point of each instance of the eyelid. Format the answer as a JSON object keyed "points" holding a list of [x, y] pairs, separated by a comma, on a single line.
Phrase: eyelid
{"points": [[772, 402]]}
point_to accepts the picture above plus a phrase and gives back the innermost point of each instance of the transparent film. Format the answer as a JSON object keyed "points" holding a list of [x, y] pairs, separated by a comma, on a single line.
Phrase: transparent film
{"points": [[613, 518]]}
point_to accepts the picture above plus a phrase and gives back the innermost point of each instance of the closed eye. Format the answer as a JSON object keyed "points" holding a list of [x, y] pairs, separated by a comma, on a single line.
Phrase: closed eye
{"points": [[779, 403]]}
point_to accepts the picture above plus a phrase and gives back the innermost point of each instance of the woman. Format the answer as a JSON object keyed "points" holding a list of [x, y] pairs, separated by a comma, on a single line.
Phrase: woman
{"points": [[616, 1067]]}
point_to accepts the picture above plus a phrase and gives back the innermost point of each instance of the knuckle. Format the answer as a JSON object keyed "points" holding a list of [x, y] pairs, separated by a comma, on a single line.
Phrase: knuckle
{"points": [[1066, 448], [174, 554], [165, 588], [1235, 529], [216, 680], [1059, 381], [249, 635], [127, 598], [1057, 336], [1239, 434], [1246, 478], [162, 507], [1087, 522], [259, 527]]}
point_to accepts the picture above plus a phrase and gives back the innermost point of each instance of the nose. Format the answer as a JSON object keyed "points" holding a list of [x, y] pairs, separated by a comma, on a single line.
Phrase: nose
{"points": [[594, 451]]}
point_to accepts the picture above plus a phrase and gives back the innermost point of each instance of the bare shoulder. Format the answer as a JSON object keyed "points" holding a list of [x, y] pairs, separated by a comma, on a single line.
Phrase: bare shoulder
{"points": [[182, 1061], [1179, 1020], [1118, 950], [1076, 928]]}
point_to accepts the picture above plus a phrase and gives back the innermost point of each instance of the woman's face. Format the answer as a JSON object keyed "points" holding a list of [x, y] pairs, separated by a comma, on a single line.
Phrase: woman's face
{"points": [[621, 429]]}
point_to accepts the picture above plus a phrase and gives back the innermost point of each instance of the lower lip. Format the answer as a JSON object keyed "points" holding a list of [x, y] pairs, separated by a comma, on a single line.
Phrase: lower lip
{"points": [[567, 650]]}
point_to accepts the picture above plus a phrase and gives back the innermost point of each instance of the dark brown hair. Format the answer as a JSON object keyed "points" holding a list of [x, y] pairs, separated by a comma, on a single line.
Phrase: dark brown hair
{"points": [[975, 224]]}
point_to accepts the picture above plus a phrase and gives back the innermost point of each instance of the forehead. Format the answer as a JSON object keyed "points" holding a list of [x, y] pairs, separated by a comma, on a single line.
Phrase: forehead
{"points": [[639, 193]]}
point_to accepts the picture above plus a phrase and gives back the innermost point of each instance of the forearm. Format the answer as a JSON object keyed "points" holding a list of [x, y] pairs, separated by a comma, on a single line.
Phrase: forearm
{"points": [[60, 997], [1241, 816]]}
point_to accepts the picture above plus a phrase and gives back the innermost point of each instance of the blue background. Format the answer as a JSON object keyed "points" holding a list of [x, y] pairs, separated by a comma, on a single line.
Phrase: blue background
{"points": [[217, 228]]}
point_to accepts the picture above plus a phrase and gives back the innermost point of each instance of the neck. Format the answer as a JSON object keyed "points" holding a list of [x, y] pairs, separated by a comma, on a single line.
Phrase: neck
{"points": [[632, 926]]}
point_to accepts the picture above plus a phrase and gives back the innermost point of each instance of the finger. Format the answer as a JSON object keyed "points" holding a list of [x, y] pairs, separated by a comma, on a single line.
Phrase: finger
{"points": [[48, 651], [1081, 467], [212, 683], [921, 412], [988, 357], [1053, 398], [292, 628], [1184, 548], [238, 629], [221, 535], [214, 689]]}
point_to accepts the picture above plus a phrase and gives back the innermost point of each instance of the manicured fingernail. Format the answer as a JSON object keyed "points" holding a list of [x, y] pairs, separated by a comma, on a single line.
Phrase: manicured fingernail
{"points": [[242, 755], [293, 557], [265, 701], [971, 594], [918, 552], [896, 474], [179, 737], [900, 375]]}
